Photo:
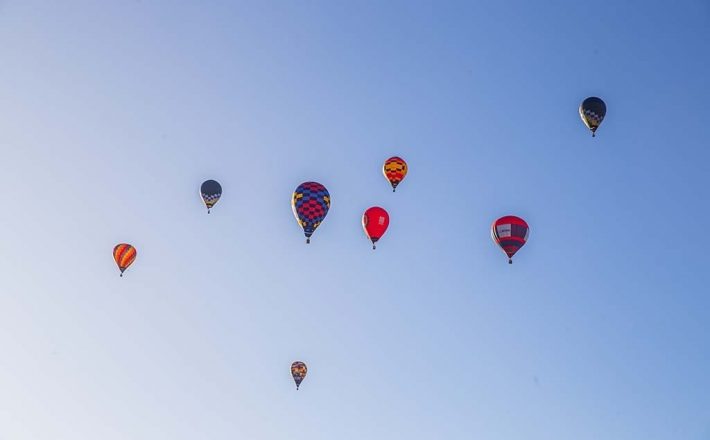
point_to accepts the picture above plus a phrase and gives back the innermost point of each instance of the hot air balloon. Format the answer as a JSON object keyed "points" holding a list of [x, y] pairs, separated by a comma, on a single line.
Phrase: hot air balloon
{"points": [[210, 191], [310, 203], [395, 169], [124, 254], [375, 221], [298, 371], [592, 111], [510, 233]]}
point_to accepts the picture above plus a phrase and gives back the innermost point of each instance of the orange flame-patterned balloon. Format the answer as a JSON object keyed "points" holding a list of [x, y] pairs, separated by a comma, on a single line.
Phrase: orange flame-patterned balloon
{"points": [[125, 255], [395, 169]]}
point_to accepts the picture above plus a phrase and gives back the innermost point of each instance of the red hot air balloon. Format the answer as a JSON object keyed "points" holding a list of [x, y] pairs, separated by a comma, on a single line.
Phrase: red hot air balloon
{"points": [[375, 221], [510, 233]]}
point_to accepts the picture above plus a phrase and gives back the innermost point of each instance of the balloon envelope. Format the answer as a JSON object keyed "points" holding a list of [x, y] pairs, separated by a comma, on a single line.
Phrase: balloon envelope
{"points": [[124, 255], [310, 203], [375, 221], [592, 111], [395, 170], [510, 233], [298, 371], [210, 191]]}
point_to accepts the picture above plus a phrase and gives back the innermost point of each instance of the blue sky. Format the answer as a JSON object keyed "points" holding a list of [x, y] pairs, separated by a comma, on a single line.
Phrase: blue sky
{"points": [[112, 115]]}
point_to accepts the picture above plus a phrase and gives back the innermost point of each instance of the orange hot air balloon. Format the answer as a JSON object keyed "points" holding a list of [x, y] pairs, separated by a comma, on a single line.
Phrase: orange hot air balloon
{"points": [[125, 255], [395, 170], [375, 221]]}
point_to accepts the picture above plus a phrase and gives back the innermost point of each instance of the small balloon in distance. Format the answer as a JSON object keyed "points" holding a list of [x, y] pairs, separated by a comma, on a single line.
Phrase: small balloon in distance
{"points": [[210, 191], [592, 111], [298, 372]]}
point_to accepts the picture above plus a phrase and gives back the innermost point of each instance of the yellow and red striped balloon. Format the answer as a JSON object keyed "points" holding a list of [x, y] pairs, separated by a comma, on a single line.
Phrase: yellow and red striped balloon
{"points": [[125, 255]]}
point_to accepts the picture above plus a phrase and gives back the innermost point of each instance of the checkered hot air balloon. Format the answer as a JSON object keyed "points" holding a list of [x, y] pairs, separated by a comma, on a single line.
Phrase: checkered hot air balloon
{"points": [[298, 371], [210, 191], [510, 233], [592, 111], [310, 203], [124, 255], [375, 221], [394, 169]]}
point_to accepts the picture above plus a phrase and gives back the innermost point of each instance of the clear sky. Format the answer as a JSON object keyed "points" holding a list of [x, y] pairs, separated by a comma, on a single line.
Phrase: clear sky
{"points": [[113, 113]]}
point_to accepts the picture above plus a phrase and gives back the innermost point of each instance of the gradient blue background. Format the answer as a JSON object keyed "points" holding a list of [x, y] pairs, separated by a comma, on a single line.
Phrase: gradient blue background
{"points": [[112, 114]]}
